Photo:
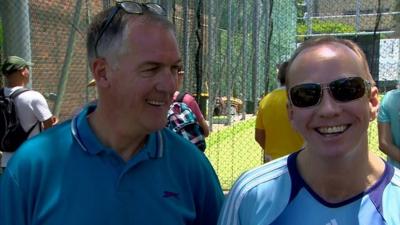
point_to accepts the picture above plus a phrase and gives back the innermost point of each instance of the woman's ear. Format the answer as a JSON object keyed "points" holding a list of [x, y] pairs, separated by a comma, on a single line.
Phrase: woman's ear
{"points": [[373, 103]]}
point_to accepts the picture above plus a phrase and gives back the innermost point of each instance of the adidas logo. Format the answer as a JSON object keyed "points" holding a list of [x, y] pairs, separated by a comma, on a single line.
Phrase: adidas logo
{"points": [[332, 222]]}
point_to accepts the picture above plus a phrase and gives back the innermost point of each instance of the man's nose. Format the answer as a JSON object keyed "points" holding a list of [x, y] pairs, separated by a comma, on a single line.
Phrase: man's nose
{"points": [[168, 81], [328, 106]]}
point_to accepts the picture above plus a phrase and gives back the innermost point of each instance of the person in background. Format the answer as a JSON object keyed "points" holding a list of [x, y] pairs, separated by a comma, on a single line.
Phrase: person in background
{"points": [[273, 131], [31, 107], [389, 126], [114, 162], [190, 101], [335, 179]]}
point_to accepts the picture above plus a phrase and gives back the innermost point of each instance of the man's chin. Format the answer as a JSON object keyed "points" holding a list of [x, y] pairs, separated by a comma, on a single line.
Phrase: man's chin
{"points": [[156, 126]]}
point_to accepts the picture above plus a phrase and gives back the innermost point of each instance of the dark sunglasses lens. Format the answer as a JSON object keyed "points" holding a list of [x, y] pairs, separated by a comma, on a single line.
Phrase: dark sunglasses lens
{"points": [[305, 95], [131, 7], [348, 89]]}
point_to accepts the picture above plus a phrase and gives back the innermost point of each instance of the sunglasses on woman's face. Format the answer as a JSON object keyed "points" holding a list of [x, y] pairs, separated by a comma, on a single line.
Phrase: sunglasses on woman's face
{"points": [[342, 90]]}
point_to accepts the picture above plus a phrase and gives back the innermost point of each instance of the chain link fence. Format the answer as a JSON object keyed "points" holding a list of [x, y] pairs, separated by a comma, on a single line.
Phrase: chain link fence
{"points": [[229, 48]]}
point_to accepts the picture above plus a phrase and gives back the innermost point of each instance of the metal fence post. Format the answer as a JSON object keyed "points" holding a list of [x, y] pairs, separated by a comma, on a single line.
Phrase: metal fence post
{"points": [[15, 21]]}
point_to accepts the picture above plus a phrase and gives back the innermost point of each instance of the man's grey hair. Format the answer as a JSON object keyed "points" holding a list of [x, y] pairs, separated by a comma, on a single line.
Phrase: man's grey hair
{"points": [[112, 37]]}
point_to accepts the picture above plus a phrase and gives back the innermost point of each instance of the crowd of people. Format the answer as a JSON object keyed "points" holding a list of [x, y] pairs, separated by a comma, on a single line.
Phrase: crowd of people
{"points": [[116, 162]]}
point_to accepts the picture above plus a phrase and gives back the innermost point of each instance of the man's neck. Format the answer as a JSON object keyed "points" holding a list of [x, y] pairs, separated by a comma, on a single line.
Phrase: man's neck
{"points": [[125, 144], [15, 83], [338, 181]]}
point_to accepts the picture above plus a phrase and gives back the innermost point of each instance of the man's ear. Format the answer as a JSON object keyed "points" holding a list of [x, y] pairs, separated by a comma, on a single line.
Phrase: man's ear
{"points": [[373, 103], [25, 72], [99, 69], [290, 112]]}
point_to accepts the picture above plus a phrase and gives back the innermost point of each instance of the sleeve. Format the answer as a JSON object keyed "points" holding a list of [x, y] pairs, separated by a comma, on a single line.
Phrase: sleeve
{"points": [[13, 210], [232, 212], [210, 197], [259, 117], [257, 197], [40, 108], [191, 102], [383, 113], [229, 212]]}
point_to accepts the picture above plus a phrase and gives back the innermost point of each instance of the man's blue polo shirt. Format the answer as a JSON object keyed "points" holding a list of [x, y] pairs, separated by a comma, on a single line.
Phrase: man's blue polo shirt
{"points": [[66, 176]]}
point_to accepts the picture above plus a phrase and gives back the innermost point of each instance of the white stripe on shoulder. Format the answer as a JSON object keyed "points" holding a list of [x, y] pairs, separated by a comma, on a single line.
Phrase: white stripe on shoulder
{"points": [[396, 177], [272, 168], [248, 181]]}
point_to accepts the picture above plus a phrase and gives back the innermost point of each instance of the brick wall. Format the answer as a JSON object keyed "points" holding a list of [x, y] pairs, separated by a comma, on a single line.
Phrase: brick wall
{"points": [[51, 24]]}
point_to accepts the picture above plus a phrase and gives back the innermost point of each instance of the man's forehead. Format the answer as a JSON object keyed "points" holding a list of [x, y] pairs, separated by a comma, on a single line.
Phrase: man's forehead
{"points": [[328, 50], [325, 54]]}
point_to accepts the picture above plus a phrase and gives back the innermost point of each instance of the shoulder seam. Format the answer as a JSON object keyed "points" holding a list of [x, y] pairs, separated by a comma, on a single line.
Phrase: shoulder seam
{"points": [[252, 179], [396, 177]]}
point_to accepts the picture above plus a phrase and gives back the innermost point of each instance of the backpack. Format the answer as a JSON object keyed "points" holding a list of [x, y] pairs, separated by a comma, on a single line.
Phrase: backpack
{"points": [[12, 135], [183, 121]]}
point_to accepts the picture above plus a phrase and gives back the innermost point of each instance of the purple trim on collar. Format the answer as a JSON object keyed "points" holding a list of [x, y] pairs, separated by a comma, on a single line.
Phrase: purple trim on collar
{"points": [[375, 192], [297, 181]]}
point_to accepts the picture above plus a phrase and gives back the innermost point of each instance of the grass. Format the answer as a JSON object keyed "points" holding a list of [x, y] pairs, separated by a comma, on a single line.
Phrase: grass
{"points": [[233, 150]]}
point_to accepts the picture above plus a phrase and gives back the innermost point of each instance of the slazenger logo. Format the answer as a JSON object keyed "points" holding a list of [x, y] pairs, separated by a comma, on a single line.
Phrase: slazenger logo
{"points": [[332, 222], [169, 194]]}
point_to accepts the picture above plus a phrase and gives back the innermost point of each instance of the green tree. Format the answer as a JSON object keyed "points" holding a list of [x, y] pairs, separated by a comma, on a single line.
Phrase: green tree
{"points": [[1, 36], [324, 27], [397, 19]]}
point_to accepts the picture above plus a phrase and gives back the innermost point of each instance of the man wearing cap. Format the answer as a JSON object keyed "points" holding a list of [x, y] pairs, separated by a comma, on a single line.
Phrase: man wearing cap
{"points": [[31, 107]]}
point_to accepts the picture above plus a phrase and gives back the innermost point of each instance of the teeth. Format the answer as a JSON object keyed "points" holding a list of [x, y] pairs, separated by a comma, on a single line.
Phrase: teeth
{"points": [[332, 130], [154, 102]]}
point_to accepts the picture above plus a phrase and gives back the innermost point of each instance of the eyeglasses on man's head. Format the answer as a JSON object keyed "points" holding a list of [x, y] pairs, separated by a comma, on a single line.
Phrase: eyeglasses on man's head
{"points": [[130, 8]]}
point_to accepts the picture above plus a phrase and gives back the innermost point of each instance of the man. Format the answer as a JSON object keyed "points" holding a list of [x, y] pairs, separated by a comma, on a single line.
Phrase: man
{"points": [[273, 131], [31, 107], [335, 179], [389, 127], [191, 102], [115, 163]]}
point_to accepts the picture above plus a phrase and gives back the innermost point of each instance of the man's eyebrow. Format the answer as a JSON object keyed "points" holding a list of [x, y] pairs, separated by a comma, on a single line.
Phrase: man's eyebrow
{"points": [[178, 62], [150, 63], [154, 63]]}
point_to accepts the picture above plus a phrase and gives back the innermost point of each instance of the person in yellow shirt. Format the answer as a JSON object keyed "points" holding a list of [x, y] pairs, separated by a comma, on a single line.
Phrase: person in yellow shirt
{"points": [[273, 131]]}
